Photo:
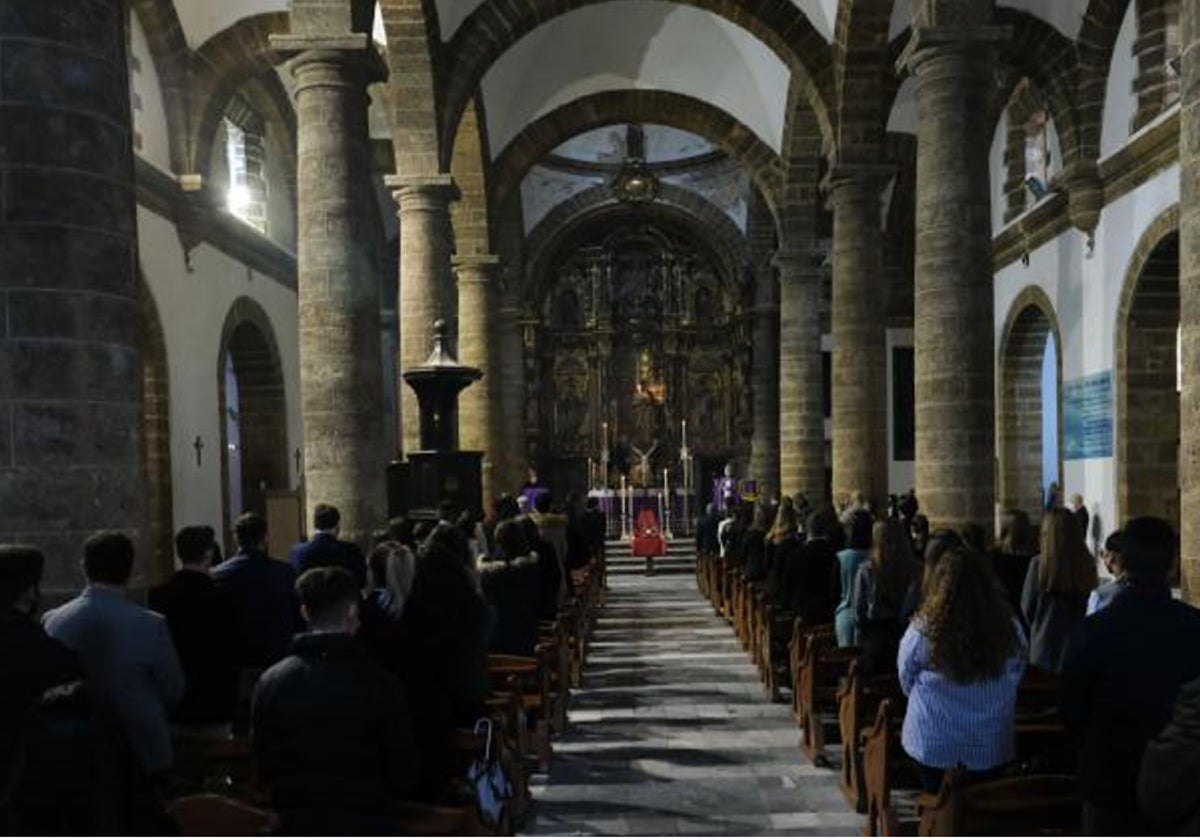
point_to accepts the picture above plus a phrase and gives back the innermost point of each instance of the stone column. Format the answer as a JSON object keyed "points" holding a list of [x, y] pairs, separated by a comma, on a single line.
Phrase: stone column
{"points": [[801, 402], [954, 326], [859, 324], [510, 378], [764, 383], [341, 377], [70, 332], [1189, 298], [479, 416], [426, 278]]}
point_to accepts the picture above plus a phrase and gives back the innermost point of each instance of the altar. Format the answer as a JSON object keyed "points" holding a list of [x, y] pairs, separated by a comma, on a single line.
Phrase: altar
{"points": [[676, 508]]}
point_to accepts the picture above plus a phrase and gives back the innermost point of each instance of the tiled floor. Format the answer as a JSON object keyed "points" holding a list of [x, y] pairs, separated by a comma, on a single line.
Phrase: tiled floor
{"points": [[671, 735]]}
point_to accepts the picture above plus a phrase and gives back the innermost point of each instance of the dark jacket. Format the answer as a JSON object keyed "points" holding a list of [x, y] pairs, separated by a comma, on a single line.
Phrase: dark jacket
{"points": [[1050, 619], [755, 553], [1124, 668], [1012, 569], [1167, 789], [198, 616], [388, 638], [332, 734], [327, 550], [595, 530], [810, 582], [266, 610], [706, 535], [512, 593]]}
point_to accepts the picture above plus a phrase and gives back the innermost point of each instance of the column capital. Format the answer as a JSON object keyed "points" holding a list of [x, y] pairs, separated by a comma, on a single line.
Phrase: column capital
{"points": [[858, 176], [793, 261], [351, 50], [478, 268], [931, 41], [423, 192]]}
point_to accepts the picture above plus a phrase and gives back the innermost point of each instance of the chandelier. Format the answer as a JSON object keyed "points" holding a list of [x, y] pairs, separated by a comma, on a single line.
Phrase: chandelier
{"points": [[635, 183]]}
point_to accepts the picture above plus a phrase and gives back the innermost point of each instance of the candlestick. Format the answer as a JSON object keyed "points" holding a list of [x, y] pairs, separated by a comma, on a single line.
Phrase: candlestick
{"points": [[683, 441], [604, 435]]}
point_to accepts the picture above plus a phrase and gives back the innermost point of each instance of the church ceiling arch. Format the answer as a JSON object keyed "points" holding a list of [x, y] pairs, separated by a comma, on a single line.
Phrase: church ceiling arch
{"points": [[675, 206], [681, 43], [410, 28], [863, 78], [662, 107], [169, 50]]}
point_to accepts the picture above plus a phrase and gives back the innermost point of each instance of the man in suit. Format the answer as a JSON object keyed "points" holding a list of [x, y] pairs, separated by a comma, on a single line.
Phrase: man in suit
{"points": [[1124, 668], [326, 549], [199, 614], [126, 650], [262, 589], [331, 728]]}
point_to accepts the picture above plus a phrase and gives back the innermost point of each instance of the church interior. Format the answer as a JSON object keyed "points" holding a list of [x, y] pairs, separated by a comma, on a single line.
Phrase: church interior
{"points": [[707, 416]]}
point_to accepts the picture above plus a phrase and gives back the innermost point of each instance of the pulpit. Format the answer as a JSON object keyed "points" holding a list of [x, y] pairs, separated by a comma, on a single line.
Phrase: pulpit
{"points": [[438, 470]]}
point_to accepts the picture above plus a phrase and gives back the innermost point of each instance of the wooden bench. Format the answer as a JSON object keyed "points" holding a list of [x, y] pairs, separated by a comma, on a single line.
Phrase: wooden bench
{"points": [[216, 763], [214, 815], [859, 699], [820, 670], [1019, 806], [775, 635]]}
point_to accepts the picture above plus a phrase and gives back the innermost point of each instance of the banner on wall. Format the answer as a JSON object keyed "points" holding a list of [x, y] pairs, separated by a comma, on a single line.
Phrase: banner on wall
{"points": [[1088, 417]]}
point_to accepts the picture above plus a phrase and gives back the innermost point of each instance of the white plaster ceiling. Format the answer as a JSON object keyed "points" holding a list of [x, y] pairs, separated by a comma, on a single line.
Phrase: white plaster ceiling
{"points": [[642, 45], [451, 14], [607, 144], [821, 13], [202, 19]]}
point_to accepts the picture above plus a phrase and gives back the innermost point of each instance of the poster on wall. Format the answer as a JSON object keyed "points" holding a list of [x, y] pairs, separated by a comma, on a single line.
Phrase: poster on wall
{"points": [[1088, 417]]}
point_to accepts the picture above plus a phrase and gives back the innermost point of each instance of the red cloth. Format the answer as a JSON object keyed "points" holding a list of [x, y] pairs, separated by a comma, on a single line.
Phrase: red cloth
{"points": [[647, 538]]}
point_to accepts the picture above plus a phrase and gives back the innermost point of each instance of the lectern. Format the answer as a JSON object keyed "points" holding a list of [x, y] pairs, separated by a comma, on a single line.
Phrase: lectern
{"points": [[439, 470]]}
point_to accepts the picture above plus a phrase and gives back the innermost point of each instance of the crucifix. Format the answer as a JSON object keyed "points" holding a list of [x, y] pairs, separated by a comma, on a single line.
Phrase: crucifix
{"points": [[643, 466], [198, 445]]}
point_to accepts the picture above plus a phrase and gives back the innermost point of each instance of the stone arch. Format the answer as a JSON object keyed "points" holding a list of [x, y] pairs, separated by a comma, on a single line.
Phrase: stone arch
{"points": [[496, 25], [172, 61], [1147, 403], [584, 209], [248, 342], [1030, 325], [232, 60], [1095, 44], [156, 437], [864, 76], [413, 52], [649, 106], [469, 167]]}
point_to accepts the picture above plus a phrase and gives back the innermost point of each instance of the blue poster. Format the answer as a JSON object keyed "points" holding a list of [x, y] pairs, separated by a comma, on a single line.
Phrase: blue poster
{"points": [[1088, 417]]}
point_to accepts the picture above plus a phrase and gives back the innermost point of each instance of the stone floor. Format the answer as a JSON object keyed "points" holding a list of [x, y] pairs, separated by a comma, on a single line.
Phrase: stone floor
{"points": [[670, 733]]}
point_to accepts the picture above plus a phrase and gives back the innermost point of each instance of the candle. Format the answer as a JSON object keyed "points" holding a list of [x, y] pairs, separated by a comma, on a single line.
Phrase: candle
{"points": [[666, 482], [591, 474], [684, 441], [660, 510], [604, 435]]}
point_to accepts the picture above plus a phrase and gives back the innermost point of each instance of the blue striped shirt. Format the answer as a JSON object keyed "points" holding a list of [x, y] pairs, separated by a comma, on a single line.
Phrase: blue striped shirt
{"points": [[950, 723]]}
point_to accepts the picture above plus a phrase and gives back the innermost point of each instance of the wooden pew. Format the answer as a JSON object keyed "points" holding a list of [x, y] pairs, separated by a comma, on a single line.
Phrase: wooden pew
{"points": [[1018, 806], [528, 678], [218, 764], [774, 636], [214, 815], [821, 668], [885, 769], [859, 699]]}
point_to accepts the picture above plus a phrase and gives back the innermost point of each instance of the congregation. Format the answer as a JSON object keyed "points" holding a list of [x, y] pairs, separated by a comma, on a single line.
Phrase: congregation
{"points": [[953, 629], [352, 675]]}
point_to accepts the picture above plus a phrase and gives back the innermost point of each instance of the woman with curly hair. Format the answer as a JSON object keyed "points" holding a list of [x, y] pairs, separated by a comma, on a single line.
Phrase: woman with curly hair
{"points": [[960, 663]]}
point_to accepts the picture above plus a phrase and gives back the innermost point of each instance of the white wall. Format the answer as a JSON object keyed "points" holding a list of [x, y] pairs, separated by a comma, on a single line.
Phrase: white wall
{"points": [[997, 173], [1120, 101], [193, 307], [1086, 291], [150, 121], [202, 19]]}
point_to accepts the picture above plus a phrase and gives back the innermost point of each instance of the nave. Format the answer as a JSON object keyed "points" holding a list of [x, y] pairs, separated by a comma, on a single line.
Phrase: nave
{"points": [[670, 733]]}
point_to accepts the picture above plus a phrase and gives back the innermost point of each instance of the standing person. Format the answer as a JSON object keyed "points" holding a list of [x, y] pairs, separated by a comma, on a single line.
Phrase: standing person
{"points": [[1103, 594], [510, 584], [783, 547], [1057, 585], [263, 592], [1015, 550], [331, 729], [706, 532], [754, 547], [595, 528], [126, 650], [1123, 672], [881, 586], [198, 616], [384, 629], [960, 663], [326, 548], [1080, 512], [810, 576], [857, 551]]}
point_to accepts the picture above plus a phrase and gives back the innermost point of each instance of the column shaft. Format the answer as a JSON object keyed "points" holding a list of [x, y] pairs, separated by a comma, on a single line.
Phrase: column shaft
{"points": [[859, 323], [341, 379], [955, 379], [511, 382], [426, 278], [801, 401], [764, 382], [71, 458], [1189, 299], [479, 416]]}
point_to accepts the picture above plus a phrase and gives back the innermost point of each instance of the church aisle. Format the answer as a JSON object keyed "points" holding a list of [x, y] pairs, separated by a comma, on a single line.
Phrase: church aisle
{"points": [[670, 733]]}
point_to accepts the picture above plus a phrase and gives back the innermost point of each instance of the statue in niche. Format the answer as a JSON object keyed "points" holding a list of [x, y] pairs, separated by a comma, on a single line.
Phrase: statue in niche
{"points": [[566, 312], [706, 409], [570, 411], [704, 306]]}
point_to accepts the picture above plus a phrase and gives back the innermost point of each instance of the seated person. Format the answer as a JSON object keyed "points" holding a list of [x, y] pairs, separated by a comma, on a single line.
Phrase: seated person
{"points": [[263, 591], [881, 587], [331, 729], [327, 549], [1104, 594], [198, 616], [960, 663], [126, 650], [510, 584], [810, 576]]}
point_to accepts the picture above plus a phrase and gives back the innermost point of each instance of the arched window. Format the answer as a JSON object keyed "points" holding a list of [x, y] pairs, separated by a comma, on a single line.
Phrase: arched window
{"points": [[245, 152]]}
